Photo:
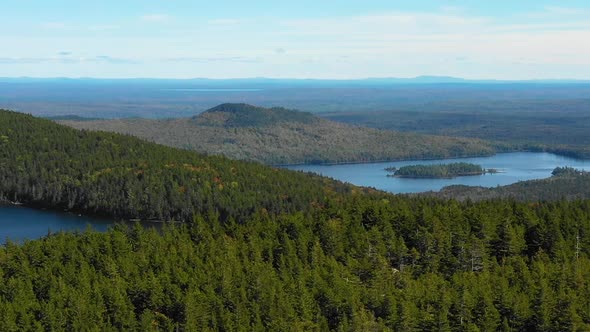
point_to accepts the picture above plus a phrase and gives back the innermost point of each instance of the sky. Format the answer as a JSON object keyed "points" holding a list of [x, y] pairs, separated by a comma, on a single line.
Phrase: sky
{"points": [[343, 39]]}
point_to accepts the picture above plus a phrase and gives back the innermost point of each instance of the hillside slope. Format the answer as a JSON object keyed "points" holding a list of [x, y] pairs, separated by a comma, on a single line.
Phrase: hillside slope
{"points": [[44, 163], [569, 186], [281, 136]]}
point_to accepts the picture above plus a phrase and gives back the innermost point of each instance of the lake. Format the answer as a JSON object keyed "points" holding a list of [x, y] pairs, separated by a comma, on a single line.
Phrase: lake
{"points": [[514, 167], [19, 223]]}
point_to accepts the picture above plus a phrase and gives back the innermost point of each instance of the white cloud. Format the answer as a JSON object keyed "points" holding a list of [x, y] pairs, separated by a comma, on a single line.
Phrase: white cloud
{"points": [[565, 10], [67, 58], [399, 37], [558, 13], [405, 23], [217, 58], [447, 42]]}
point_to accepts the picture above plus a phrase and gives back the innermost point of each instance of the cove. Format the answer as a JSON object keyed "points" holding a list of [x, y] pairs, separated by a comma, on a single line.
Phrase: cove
{"points": [[513, 167], [19, 223]]}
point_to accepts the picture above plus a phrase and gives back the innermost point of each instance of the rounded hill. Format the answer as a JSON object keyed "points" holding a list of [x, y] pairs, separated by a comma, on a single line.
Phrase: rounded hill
{"points": [[245, 115], [282, 136]]}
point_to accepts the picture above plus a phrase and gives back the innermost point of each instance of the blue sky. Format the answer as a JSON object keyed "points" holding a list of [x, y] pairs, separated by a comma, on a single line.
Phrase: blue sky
{"points": [[297, 39]]}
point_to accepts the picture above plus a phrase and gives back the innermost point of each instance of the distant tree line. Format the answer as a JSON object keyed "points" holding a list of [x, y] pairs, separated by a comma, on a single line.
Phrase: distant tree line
{"points": [[534, 124]]}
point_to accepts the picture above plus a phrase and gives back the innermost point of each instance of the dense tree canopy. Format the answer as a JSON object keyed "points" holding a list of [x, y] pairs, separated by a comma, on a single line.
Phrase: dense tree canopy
{"points": [[536, 124], [439, 170], [49, 164], [359, 264], [565, 184]]}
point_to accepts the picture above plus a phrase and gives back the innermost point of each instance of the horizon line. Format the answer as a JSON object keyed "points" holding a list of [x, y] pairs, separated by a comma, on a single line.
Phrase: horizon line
{"points": [[419, 79]]}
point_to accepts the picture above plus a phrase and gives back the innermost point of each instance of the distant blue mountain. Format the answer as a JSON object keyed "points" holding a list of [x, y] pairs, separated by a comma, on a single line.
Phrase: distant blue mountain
{"points": [[266, 82]]}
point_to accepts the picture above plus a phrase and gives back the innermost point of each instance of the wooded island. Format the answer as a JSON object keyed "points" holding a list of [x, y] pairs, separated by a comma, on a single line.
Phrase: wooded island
{"points": [[439, 171]]}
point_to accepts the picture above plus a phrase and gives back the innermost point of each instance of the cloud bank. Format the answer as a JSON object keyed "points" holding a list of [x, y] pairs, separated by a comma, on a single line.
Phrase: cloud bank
{"points": [[550, 42]]}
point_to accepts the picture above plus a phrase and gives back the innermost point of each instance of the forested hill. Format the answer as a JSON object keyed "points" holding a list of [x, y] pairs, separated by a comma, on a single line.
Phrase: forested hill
{"points": [[281, 136], [245, 115], [563, 185], [45, 163]]}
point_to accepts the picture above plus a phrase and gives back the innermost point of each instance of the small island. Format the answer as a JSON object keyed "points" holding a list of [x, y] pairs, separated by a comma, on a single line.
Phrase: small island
{"points": [[440, 171]]}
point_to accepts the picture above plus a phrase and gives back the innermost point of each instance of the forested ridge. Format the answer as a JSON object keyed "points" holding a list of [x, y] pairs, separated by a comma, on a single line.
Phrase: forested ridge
{"points": [[565, 184], [536, 124], [281, 136], [279, 251], [43, 163]]}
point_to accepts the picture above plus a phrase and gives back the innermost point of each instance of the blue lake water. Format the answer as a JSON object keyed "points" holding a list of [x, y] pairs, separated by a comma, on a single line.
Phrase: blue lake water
{"points": [[514, 167], [18, 223]]}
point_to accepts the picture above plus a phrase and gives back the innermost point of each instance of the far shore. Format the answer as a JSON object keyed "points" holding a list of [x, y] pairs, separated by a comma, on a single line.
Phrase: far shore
{"points": [[390, 160], [419, 159]]}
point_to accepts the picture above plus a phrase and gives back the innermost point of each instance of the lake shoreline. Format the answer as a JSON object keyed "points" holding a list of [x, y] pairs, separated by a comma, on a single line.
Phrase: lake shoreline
{"points": [[564, 155], [78, 213], [441, 177], [6, 202], [388, 160], [438, 177], [511, 167]]}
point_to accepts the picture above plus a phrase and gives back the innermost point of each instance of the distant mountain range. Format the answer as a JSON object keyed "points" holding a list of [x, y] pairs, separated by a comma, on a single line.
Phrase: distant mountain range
{"points": [[292, 82], [281, 136]]}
